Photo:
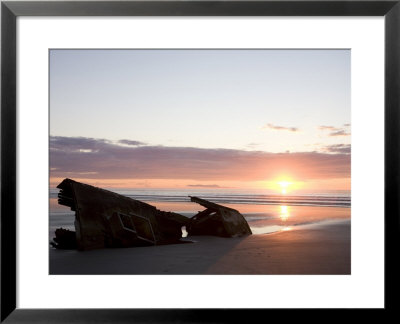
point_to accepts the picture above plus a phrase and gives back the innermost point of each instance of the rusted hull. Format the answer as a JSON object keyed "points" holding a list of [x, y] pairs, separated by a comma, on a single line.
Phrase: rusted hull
{"points": [[64, 239], [217, 220], [106, 219]]}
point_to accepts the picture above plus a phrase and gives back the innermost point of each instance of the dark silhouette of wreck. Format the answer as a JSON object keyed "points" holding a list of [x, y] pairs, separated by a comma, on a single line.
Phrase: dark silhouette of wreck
{"points": [[217, 220], [107, 219]]}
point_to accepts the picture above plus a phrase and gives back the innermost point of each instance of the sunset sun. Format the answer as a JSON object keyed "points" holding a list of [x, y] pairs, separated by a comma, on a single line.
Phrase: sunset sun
{"points": [[284, 186]]}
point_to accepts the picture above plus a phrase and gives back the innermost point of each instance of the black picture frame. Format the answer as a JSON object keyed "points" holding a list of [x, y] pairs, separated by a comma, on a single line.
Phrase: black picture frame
{"points": [[10, 10]]}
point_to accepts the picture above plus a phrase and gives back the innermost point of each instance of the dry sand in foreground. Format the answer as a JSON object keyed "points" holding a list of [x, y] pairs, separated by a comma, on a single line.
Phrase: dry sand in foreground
{"points": [[316, 249]]}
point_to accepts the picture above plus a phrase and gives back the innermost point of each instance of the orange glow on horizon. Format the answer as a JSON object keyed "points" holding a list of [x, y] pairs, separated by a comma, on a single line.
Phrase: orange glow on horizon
{"points": [[284, 185], [281, 185]]}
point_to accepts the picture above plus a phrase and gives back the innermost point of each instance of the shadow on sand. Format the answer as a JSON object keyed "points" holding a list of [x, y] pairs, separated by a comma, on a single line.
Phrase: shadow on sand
{"points": [[190, 258]]}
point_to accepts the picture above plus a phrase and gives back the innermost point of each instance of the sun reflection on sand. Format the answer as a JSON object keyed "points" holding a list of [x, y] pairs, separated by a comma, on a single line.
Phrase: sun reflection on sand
{"points": [[284, 212]]}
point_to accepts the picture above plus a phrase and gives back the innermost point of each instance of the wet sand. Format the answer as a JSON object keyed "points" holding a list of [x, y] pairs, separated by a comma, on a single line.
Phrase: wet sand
{"points": [[312, 249]]}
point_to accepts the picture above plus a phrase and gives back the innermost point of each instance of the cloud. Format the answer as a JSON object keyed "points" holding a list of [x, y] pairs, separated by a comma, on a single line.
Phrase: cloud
{"points": [[203, 186], [340, 132], [76, 144], [331, 128], [130, 143], [253, 145], [336, 131], [338, 148], [103, 159], [275, 127]]}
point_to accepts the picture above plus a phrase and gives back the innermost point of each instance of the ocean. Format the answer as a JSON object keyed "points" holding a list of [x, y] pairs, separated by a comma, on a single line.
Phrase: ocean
{"points": [[266, 212]]}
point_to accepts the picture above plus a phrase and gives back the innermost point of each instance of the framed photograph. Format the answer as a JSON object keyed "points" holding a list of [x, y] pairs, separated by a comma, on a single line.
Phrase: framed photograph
{"points": [[177, 155]]}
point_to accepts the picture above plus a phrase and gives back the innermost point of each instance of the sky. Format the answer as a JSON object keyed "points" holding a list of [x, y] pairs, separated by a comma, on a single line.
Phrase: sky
{"points": [[205, 118]]}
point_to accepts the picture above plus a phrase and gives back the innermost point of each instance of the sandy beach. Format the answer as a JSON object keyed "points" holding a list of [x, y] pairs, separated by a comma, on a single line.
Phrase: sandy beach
{"points": [[322, 248]]}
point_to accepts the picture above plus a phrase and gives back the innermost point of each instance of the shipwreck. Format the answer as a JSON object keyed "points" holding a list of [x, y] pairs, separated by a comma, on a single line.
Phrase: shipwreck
{"points": [[106, 219], [217, 220]]}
